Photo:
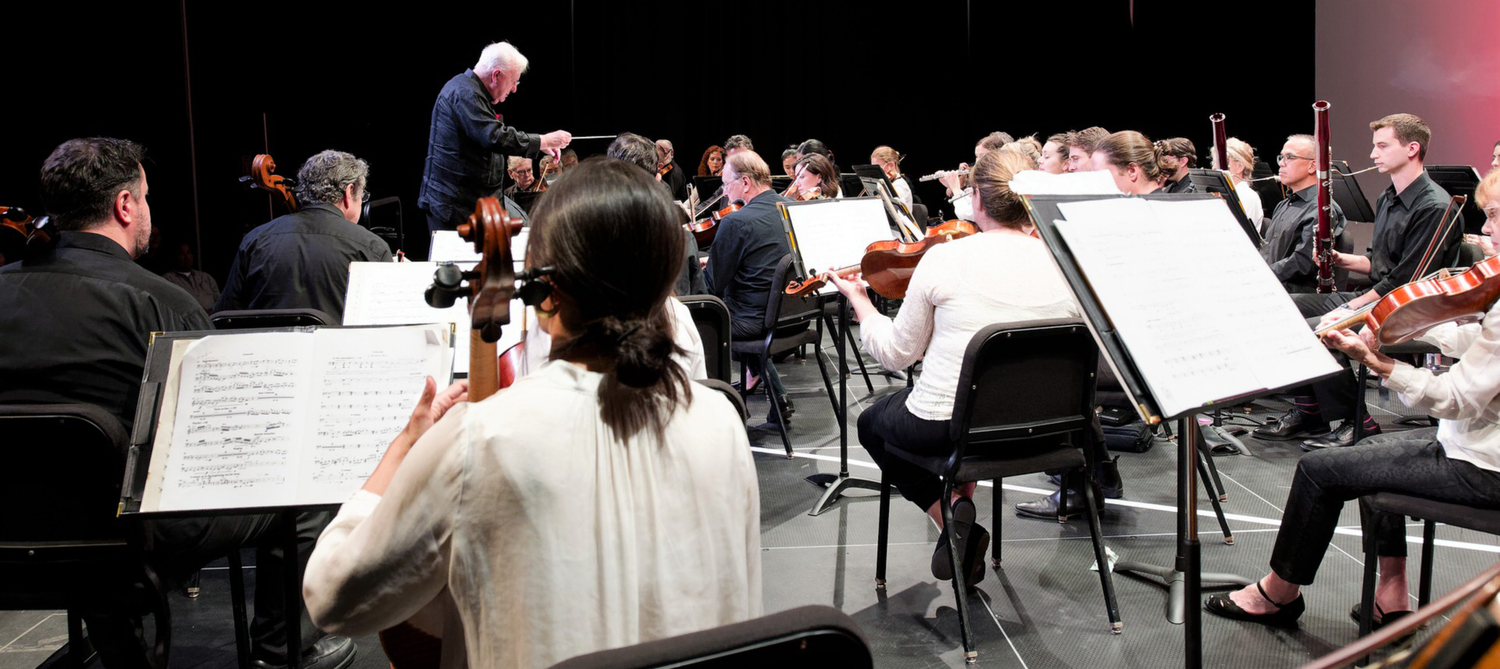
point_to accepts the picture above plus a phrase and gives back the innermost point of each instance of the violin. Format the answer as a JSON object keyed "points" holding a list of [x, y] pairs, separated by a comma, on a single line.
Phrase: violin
{"points": [[263, 177], [1411, 310], [540, 185], [888, 264], [706, 229]]}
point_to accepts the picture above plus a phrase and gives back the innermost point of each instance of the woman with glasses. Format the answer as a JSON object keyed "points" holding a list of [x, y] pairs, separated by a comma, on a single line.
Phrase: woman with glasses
{"points": [[603, 483]]}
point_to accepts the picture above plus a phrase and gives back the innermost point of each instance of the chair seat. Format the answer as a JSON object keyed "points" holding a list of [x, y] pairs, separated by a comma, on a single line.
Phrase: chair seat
{"points": [[1003, 461], [1412, 347], [778, 346], [1457, 515]]}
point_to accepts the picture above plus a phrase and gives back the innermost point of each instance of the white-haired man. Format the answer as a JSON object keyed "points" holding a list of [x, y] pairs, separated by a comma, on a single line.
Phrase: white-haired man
{"points": [[467, 138], [671, 173]]}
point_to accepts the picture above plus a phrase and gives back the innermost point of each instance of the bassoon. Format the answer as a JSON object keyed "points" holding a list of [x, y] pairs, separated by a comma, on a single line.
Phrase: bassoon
{"points": [[1323, 240], [1221, 142]]}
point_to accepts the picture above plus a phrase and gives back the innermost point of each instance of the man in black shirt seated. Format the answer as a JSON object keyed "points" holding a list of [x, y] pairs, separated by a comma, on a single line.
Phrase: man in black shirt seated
{"points": [[1178, 155], [301, 260], [1406, 221], [78, 320], [1294, 222], [744, 254], [671, 173]]}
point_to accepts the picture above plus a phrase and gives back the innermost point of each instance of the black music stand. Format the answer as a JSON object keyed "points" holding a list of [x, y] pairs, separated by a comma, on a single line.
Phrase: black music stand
{"points": [[872, 172], [1348, 195], [1461, 180], [1217, 182], [1184, 578]]}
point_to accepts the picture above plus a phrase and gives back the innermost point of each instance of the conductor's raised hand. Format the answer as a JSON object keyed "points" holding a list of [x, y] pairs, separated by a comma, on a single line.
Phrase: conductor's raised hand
{"points": [[554, 142]]}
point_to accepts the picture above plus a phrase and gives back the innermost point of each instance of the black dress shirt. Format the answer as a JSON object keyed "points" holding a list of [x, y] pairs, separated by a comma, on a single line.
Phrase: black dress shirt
{"points": [[1289, 239], [677, 181], [77, 322], [1183, 185], [1404, 226], [743, 257], [464, 147], [300, 260]]}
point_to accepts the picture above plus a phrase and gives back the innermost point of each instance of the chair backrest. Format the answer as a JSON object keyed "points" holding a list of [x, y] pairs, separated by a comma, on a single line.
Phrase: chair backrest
{"points": [[270, 318], [65, 465], [729, 393], [1467, 254], [1343, 243], [711, 317], [782, 310], [1024, 381], [919, 214], [814, 637]]}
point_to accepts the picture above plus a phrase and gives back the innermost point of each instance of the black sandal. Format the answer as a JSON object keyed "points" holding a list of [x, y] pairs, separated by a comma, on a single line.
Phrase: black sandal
{"points": [[1381, 618], [1286, 615]]}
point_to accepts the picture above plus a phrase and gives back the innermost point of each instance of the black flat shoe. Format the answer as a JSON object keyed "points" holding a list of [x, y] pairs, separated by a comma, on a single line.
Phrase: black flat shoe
{"points": [[1340, 438], [963, 525], [1381, 617], [974, 556], [1285, 616]]}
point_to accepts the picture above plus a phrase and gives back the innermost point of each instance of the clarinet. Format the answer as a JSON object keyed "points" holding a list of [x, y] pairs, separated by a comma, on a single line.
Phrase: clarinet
{"points": [[1323, 240]]}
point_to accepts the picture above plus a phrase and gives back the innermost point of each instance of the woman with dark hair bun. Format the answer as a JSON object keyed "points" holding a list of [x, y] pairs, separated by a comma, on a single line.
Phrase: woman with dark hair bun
{"points": [[601, 480]]}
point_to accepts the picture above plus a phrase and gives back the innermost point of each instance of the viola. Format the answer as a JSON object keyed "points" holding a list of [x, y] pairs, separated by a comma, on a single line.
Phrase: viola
{"points": [[888, 264], [263, 176], [705, 230], [19, 232]]}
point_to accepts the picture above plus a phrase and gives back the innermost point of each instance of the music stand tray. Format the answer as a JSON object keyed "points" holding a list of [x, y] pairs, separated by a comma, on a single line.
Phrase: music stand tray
{"points": [[1460, 180]]}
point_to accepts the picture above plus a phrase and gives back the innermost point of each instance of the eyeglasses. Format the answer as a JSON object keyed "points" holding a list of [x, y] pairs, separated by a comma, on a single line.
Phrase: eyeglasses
{"points": [[1282, 158], [364, 197]]}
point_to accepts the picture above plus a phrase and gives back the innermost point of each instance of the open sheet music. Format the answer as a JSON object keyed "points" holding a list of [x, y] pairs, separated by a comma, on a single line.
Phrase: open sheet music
{"points": [[272, 419], [830, 234], [1200, 313], [385, 293]]}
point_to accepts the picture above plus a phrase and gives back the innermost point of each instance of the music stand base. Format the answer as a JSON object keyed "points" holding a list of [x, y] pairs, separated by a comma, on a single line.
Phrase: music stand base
{"points": [[1176, 585], [834, 486]]}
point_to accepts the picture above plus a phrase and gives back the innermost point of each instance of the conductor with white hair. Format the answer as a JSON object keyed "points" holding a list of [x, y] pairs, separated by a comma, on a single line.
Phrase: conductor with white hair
{"points": [[468, 140]]}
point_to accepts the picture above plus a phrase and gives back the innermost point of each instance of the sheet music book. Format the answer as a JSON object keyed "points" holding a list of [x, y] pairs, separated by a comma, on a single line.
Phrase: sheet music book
{"points": [[383, 293], [447, 246], [830, 234], [1207, 325], [285, 418]]}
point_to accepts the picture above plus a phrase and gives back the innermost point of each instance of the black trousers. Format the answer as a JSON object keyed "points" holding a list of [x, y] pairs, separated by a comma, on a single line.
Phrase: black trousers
{"points": [[743, 330], [1407, 462], [179, 547], [887, 421], [1336, 395]]}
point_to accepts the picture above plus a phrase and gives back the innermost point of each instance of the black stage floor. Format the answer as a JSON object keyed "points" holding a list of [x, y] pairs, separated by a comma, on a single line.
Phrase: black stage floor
{"points": [[1043, 609]]}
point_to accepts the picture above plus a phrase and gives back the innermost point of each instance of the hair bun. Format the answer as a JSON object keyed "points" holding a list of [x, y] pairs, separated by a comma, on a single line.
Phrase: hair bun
{"points": [[642, 352]]}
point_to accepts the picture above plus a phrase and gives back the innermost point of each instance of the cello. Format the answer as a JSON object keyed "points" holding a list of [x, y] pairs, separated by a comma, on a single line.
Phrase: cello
{"points": [[263, 176], [888, 264]]}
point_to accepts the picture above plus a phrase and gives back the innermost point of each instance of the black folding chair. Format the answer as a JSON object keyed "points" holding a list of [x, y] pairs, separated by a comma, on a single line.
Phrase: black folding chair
{"points": [[785, 329], [61, 544], [1025, 400], [711, 317], [809, 637], [270, 318], [1430, 512]]}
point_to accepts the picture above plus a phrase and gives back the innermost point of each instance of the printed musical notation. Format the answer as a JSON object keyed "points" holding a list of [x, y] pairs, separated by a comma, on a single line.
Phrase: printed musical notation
{"points": [[289, 418], [237, 422]]}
